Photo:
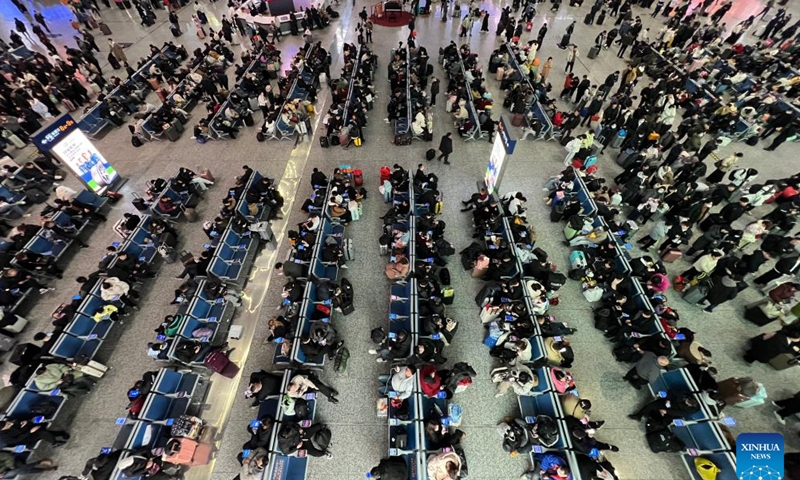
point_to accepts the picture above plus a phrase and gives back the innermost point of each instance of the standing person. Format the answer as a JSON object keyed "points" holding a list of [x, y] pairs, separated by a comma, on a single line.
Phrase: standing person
{"points": [[786, 407], [722, 167], [19, 26], [116, 50], [626, 41], [446, 147], [659, 6], [89, 38], [542, 33], [175, 22], [572, 55], [37, 15], [434, 90], [485, 23], [767, 7], [548, 65]]}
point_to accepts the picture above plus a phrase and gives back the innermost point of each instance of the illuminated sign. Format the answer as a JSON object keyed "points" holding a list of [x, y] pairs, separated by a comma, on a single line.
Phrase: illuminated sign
{"points": [[64, 140]]}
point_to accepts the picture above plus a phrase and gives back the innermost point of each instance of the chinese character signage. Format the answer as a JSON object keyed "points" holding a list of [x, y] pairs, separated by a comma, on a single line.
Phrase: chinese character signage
{"points": [[64, 140]]}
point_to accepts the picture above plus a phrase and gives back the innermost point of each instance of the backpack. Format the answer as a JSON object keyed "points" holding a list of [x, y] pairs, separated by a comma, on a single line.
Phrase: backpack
{"points": [[136, 141], [321, 439], [301, 409], [46, 408], [547, 430], [288, 438], [377, 335], [340, 359]]}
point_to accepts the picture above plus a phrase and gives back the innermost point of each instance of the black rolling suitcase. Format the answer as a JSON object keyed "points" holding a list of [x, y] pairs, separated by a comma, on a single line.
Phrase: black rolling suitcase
{"points": [[176, 31], [564, 41], [593, 52], [139, 203], [248, 119]]}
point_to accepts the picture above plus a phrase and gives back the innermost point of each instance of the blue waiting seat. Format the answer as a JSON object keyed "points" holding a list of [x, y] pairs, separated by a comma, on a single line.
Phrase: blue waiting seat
{"points": [[545, 404], [159, 407], [92, 123], [70, 347], [705, 436], [20, 408], [91, 199], [171, 382], [190, 324], [12, 196], [84, 325]]}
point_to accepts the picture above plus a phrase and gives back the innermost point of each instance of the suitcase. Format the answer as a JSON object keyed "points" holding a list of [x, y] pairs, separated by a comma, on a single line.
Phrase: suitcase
{"points": [[577, 260], [190, 214], [176, 31], [323, 142], [622, 158], [104, 29], [218, 362], [190, 453], [248, 119], [529, 26], [358, 177], [564, 41], [617, 142], [593, 52], [671, 255], [783, 361], [187, 256], [448, 295], [348, 309], [172, 134], [344, 139], [499, 75], [517, 119], [139, 203], [430, 154], [696, 294], [176, 123], [588, 20]]}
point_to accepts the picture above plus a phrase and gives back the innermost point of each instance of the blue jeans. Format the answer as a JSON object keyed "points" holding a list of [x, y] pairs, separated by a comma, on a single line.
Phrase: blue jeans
{"points": [[385, 387]]}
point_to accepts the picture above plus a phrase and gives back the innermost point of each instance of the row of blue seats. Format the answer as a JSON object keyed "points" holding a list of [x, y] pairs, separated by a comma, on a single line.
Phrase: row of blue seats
{"points": [[84, 335], [281, 466], [535, 108], [548, 403], [92, 122], [322, 271], [243, 208], [475, 133], [49, 244], [236, 249], [284, 131], [172, 393], [701, 432], [179, 195], [81, 338]]}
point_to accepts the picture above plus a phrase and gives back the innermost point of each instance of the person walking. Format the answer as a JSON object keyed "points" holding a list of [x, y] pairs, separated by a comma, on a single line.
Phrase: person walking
{"points": [[783, 135], [37, 15], [572, 55], [446, 147], [434, 90]]}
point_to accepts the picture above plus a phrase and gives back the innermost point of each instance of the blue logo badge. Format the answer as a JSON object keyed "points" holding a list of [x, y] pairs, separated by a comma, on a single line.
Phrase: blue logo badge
{"points": [[759, 456]]}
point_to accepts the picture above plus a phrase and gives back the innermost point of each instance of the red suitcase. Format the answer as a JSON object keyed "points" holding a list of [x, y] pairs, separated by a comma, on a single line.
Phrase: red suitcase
{"points": [[386, 173], [358, 177], [190, 452], [671, 255], [218, 362]]}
